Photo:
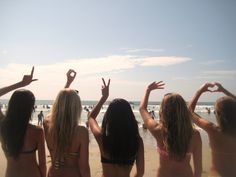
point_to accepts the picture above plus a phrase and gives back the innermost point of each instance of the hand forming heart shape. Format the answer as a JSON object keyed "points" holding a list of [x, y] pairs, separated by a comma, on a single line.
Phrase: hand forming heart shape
{"points": [[212, 87]]}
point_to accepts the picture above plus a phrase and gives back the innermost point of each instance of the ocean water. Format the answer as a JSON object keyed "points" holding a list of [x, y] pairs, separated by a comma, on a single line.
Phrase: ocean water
{"points": [[46, 105]]}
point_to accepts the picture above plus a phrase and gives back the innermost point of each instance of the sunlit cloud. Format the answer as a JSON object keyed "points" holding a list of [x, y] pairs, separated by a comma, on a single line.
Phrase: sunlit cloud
{"points": [[163, 61], [52, 77], [144, 50]]}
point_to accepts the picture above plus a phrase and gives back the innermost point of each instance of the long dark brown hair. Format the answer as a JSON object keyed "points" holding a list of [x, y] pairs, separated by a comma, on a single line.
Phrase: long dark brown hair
{"points": [[14, 124], [177, 126], [120, 135]]}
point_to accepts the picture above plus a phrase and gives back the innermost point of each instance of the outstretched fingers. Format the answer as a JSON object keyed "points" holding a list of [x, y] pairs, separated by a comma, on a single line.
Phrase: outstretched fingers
{"points": [[105, 88], [104, 83], [156, 85], [32, 74], [160, 85]]}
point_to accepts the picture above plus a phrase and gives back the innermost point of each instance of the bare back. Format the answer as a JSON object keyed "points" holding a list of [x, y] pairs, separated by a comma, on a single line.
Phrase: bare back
{"points": [[223, 149], [170, 167], [71, 165], [26, 165], [120, 170]]}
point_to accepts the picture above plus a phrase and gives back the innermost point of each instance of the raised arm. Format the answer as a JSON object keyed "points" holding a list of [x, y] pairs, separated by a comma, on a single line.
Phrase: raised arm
{"points": [[96, 130], [26, 80], [71, 74], [204, 88], [220, 88], [147, 118], [192, 104]]}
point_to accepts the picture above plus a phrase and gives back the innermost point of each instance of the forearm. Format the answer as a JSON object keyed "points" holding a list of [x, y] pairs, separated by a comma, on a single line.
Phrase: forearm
{"points": [[7, 89], [144, 102], [226, 92], [193, 102], [94, 113], [67, 85]]}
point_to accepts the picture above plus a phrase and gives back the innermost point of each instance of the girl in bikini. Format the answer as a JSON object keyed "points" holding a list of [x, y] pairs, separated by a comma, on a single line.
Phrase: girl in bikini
{"points": [[66, 140], [222, 136], [118, 139], [21, 140], [176, 138]]}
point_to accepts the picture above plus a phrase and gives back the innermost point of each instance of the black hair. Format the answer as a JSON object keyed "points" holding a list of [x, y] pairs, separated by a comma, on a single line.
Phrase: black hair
{"points": [[14, 125], [120, 134]]}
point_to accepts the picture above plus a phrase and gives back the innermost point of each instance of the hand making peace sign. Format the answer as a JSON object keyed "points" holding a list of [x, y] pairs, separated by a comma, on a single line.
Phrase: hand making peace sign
{"points": [[105, 88]]}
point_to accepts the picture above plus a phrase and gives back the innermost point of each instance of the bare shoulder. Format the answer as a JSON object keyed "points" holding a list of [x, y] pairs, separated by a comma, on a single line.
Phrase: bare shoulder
{"points": [[158, 130], [196, 137], [35, 131], [35, 128], [196, 133], [82, 131], [157, 133], [47, 120]]}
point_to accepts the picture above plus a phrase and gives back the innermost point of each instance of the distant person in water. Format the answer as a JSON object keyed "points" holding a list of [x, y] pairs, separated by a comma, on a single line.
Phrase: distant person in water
{"points": [[177, 140], [67, 141], [208, 110], [20, 140], [118, 139], [222, 136], [40, 118]]}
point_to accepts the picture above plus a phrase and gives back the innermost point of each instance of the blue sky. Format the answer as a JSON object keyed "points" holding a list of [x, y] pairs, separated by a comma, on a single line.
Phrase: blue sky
{"points": [[185, 43]]}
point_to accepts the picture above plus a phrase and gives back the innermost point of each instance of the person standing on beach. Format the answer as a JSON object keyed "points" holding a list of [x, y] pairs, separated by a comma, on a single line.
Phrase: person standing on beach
{"points": [[118, 139], [222, 136], [40, 118], [67, 142], [20, 140], [176, 138]]}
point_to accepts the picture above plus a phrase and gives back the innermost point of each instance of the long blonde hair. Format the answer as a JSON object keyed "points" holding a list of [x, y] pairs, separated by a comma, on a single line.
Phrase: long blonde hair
{"points": [[66, 112], [177, 126]]}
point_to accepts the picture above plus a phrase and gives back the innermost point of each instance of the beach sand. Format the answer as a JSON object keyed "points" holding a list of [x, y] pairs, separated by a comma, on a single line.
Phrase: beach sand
{"points": [[151, 157]]}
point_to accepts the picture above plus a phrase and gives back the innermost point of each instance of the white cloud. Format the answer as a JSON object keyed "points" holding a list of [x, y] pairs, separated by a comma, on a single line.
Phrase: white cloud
{"points": [[163, 61], [52, 77], [144, 50]]}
